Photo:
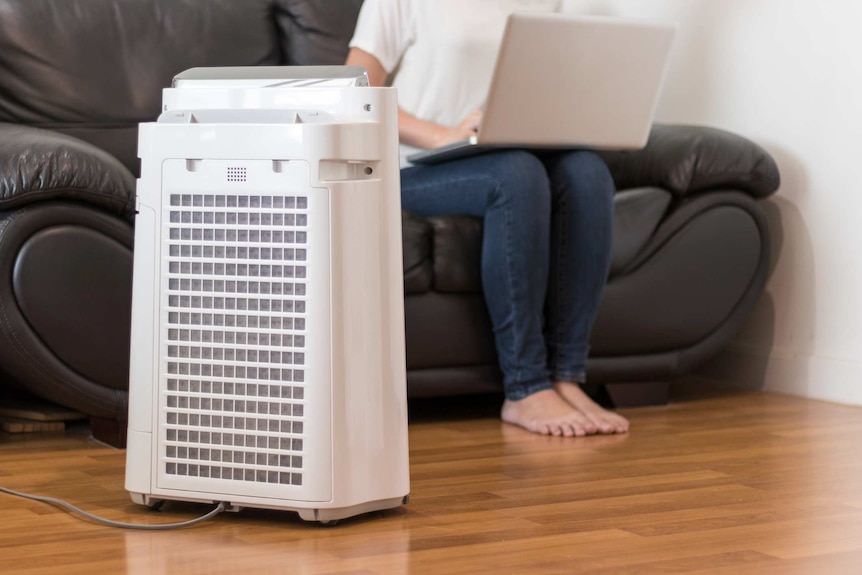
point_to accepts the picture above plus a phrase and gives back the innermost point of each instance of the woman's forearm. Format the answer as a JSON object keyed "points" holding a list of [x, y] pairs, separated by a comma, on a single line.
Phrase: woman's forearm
{"points": [[419, 133]]}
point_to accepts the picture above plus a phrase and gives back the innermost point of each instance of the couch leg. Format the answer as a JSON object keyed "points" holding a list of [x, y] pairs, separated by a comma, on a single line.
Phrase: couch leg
{"points": [[638, 394], [109, 431]]}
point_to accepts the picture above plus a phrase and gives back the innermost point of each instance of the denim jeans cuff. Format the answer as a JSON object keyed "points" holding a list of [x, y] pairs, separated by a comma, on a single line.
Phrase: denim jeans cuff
{"points": [[571, 376]]}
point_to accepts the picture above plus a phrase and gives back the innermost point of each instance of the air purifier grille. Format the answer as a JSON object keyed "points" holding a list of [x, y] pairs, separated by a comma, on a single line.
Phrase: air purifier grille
{"points": [[234, 339]]}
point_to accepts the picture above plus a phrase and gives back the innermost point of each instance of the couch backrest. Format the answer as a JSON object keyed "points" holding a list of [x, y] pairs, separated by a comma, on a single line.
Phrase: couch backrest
{"points": [[96, 68]]}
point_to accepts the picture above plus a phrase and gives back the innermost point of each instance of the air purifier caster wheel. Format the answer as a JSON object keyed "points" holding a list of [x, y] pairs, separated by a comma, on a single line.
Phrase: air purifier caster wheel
{"points": [[155, 504]]}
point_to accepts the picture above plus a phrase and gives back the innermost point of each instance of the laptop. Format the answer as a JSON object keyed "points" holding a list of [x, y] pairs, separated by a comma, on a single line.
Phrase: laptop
{"points": [[567, 81]]}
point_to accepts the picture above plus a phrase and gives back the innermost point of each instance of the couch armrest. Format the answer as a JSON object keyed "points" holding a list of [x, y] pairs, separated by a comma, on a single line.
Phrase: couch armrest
{"points": [[38, 165], [690, 159]]}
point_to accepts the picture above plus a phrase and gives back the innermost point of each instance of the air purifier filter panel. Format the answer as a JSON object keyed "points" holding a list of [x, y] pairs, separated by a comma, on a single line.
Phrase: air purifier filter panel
{"points": [[244, 268]]}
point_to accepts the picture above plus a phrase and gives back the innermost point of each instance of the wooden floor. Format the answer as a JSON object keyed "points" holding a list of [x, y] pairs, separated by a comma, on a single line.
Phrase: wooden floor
{"points": [[717, 482]]}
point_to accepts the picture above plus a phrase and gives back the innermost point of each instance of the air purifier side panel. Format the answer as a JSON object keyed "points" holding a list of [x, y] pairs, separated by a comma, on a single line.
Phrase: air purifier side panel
{"points": [[144, 329], [142, 358], [142, 354], [369, 366], [369, 397]]}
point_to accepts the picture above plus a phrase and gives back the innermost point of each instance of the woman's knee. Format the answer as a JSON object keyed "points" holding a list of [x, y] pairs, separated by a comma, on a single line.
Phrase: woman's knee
{"points": [[521, 177], [583, 171]]}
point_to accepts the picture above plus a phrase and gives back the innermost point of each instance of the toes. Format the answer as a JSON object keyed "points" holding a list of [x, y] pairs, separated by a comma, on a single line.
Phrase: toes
{"points": [[608, 423], [590, 425], [607, 427], [620, 424], [573, 430], [540, 428], [583, 426]]}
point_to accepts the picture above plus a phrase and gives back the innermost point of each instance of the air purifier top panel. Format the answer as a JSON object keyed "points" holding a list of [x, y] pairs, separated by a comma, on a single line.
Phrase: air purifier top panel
{"points": [[301, 94], [272, 77]]}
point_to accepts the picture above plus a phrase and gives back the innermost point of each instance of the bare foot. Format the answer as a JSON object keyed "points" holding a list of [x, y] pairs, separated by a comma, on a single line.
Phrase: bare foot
{"points": [[604, 420], [546, 413]]}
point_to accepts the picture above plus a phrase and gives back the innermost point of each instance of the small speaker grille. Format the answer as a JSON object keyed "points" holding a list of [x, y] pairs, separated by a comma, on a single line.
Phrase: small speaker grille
{"points": [[235, 318], [237, 174]]}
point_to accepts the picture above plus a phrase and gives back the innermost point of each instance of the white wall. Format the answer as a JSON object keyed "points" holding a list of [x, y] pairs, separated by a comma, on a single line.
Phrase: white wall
{"points": [[788, 75]]}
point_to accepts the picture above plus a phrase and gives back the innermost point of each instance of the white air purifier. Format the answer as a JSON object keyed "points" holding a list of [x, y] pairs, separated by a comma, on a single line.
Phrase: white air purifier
{"points": [[267, 360]]}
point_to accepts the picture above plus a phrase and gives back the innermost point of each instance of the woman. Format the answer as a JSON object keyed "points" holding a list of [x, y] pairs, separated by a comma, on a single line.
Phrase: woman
{"points": [[547, 217]]}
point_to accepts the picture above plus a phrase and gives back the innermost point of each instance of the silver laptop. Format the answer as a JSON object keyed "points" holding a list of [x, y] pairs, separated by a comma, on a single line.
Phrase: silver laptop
{"points": [[568, 81]]}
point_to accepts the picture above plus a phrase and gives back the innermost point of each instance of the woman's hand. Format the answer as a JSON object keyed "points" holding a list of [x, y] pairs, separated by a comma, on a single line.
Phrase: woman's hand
{"points": [[423, 134], [464, 130]]}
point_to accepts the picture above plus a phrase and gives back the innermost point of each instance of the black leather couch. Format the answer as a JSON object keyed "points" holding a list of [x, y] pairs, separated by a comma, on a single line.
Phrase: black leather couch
{"points": [[691, 247]]}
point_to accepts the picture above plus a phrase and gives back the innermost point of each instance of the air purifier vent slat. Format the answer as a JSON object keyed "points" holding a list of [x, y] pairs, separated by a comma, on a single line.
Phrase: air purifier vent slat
{"points": [[234, 336]]}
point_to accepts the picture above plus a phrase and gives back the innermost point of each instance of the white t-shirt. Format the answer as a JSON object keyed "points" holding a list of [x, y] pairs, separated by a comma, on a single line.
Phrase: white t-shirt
{"points": [[440, 54]]}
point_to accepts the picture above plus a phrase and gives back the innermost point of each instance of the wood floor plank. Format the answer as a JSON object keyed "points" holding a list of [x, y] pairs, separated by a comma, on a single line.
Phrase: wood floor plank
{"points": [[717, 482]]}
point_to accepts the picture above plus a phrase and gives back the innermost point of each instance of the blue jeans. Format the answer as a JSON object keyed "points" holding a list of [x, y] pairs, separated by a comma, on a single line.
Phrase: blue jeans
{"points": [[546, 249]]}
